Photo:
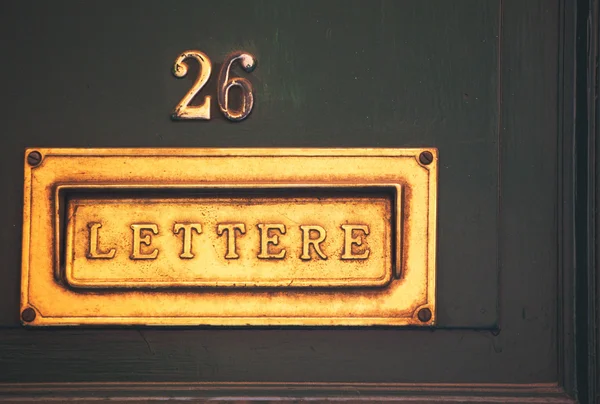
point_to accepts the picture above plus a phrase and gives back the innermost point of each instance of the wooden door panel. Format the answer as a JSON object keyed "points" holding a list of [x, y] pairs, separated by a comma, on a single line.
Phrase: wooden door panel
{"points": [[479, 80]]}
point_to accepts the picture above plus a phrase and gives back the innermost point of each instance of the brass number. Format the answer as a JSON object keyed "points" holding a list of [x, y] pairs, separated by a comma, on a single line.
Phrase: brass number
{"points": [[225, 84], [184, 110]]}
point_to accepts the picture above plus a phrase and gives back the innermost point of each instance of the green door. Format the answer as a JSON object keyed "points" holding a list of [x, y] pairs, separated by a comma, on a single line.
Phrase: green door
{"points": [[499, 87]]}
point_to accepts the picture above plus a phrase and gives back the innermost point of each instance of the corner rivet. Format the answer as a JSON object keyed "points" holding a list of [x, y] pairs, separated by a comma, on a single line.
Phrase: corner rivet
{"points": [[28, 315], [426, 158], [424, 315], [34, 158]]}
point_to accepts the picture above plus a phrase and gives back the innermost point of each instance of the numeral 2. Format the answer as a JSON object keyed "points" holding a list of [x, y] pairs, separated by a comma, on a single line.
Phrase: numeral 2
{"points": [[185, 111]]}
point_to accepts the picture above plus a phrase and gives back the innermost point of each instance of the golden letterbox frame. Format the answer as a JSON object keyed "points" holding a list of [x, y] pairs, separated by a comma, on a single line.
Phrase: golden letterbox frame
{"points": [[400, 292]]}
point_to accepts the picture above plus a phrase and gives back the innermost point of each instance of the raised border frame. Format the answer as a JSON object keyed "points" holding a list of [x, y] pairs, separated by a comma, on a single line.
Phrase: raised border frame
{"points": [[398, 304]]}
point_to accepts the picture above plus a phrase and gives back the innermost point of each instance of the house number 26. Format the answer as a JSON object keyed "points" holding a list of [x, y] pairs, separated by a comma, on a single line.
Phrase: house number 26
{"points": [[184, 110]]}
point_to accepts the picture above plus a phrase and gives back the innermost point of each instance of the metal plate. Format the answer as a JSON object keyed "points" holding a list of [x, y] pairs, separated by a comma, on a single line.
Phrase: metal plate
{"points": [[234, 242], [229, 237]]}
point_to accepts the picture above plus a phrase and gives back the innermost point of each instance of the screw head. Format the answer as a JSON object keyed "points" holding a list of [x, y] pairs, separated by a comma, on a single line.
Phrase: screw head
{"points": [[426, 157], [28, 315], [34, 158], [424, 315]]}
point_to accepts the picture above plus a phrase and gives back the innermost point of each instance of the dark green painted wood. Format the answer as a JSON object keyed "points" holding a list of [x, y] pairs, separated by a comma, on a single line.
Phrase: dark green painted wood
{"points": [[595, 372], [271, 392], [529, 134], [588, 198], [333, 74], [566, 191], [336, 73]]}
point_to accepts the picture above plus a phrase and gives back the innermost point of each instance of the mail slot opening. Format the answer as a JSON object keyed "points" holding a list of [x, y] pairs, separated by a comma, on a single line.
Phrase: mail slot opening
{"points": [[273, 236]]}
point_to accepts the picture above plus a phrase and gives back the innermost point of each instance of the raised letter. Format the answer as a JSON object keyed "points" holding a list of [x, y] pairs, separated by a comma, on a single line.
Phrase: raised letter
{"points": [[147, 239], [93, 251], [187, 237], [230, 229], [265, 240], [307, 241], [350, 240]]}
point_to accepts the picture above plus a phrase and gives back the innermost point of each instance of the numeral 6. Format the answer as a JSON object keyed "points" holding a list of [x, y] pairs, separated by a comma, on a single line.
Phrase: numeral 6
{"points": [[185, 111], [225, 84]]}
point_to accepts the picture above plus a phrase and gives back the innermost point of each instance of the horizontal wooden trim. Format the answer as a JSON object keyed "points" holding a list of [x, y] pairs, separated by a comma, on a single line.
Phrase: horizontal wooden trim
{"points": [[229, 391]]}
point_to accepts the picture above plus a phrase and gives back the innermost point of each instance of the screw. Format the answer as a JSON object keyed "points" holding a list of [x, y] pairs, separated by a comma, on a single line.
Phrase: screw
{"points": [[28, 315], [34, 158], [426, 158], [424, 315]]}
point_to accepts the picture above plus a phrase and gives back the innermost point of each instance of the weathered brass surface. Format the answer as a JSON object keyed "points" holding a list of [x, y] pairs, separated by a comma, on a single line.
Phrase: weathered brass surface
{"points": [[184, 110], [225, 84], [229, 237], [229, 242]]}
